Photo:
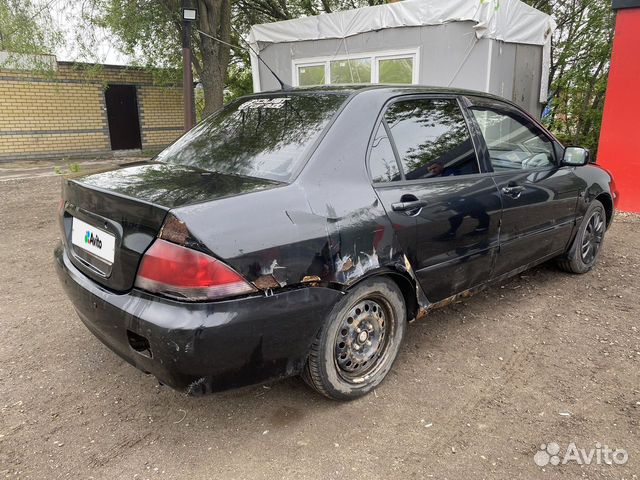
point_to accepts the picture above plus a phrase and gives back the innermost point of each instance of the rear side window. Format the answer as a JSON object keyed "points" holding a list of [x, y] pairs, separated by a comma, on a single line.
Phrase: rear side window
{"points": [[431, 139], [383, 163], [514, 142], [264, 137]]}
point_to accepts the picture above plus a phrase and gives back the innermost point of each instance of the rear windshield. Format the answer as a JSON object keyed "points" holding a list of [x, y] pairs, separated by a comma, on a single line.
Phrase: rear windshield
{"points": [[263, 137]]}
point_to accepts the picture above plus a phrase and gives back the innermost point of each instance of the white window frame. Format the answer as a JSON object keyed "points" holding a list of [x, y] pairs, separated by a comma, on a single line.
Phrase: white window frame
{"points": [[310, 64], [375, 58]]}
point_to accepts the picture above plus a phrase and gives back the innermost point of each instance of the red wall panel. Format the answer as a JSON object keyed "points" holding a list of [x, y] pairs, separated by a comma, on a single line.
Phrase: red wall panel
{"points": [[619, 149]]}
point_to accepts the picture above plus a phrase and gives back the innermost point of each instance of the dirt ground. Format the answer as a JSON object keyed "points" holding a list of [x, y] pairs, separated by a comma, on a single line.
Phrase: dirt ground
{"points": [[545, 357]]}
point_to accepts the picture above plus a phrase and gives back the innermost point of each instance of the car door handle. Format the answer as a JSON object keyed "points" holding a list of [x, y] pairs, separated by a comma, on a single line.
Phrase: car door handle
{"points": [[513, 191], [408, 206]]}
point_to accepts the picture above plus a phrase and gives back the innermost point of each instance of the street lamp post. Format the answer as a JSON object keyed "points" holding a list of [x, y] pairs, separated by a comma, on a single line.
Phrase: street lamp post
{"points": [[189, 15]]}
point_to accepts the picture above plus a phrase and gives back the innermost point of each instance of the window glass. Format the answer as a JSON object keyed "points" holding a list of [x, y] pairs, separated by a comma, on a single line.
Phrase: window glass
{"points": [[382, 162], [384, 68], [264, 137], [514, 142], [351, 71], [432, 138], [311, 75], [396, 70]]}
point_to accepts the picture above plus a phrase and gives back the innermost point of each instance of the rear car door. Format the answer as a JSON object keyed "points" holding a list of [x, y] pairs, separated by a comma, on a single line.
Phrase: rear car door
{"points": [[444, 210], [539, 197]]}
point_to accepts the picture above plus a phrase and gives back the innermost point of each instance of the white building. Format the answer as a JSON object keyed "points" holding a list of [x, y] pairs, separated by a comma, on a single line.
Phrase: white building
{"points": [[496, 46]]}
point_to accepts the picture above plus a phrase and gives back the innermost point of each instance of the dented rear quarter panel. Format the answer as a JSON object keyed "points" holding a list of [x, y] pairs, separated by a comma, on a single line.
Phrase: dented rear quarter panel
{"points": [[327, 226]]}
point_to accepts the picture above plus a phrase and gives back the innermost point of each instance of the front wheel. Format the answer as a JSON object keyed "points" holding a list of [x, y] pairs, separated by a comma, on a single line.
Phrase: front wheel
{"points": [[357, 346], [584, 252]]}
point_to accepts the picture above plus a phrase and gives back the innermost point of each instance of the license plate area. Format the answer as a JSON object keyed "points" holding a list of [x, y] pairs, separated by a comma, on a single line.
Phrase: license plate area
{"points": [[92, 244]]}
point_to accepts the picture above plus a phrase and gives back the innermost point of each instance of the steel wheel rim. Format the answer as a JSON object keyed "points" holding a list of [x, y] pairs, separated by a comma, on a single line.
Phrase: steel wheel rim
{"points": [[362, 339], [592, 238]]}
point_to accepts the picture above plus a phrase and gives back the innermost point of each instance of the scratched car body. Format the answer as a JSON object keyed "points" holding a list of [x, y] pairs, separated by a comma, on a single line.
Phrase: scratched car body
{"points": [[298, 232]]}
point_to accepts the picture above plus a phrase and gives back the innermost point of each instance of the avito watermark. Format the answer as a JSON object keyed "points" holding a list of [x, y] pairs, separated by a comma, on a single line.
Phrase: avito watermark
{"points": [[552, 454]]}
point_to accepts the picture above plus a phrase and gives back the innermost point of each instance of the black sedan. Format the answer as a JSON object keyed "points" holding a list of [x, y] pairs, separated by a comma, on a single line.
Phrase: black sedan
{"points": [[298, 232]]}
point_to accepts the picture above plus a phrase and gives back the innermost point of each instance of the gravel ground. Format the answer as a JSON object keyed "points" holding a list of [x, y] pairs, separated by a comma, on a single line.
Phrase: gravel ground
{"points": [[479, 386]]}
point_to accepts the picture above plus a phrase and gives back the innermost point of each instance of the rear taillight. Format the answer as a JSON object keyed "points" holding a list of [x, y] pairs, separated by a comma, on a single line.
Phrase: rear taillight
{"points": [[179, 272]]}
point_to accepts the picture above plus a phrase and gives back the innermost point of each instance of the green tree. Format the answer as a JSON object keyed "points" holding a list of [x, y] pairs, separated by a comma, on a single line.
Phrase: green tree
{"points": [[26, 28], [150, 31], [251, 12], [579, 68]]}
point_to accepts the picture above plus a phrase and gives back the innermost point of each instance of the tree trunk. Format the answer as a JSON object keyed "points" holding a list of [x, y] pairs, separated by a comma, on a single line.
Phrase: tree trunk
{"points": [[214, 18]]}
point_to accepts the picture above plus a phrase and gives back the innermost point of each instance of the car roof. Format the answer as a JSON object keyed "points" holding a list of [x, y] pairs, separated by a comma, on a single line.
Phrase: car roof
{"points": [[392, 88]]}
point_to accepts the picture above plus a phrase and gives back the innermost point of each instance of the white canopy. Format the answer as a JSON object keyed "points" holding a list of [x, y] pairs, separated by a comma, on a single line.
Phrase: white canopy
{"points": [[508, 20]]}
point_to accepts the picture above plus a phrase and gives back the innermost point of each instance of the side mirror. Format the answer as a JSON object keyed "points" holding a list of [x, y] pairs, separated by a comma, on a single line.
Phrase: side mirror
{"points": [[575, 157]]}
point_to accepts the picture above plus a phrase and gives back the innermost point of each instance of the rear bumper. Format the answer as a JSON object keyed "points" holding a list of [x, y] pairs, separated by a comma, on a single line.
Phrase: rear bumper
{"points": [[202, 347]]}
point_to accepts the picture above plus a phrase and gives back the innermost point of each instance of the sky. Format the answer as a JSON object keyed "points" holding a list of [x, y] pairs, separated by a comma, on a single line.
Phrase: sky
{"points": [[65, 14]]}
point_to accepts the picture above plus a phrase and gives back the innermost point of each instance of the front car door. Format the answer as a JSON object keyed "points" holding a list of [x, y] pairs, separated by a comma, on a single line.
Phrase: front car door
{"points": [[445, 212], [539, 197]]}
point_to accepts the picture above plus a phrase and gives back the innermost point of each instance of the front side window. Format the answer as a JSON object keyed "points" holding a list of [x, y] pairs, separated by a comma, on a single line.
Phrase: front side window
{"points": [[264, 137], [514, 142], [431, 138]]}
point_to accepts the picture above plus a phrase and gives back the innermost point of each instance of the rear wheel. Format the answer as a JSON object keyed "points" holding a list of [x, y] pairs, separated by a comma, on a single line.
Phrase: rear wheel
{"points": [[356, 348], [584, 252]]}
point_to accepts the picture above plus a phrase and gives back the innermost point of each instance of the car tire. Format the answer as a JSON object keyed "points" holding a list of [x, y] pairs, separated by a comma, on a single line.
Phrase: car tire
{"points": [[584, 251], [359, 342]]}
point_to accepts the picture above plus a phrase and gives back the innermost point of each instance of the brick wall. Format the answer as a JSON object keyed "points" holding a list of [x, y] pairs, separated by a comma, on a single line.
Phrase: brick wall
{"points": [[64, 113], [161, 113]]}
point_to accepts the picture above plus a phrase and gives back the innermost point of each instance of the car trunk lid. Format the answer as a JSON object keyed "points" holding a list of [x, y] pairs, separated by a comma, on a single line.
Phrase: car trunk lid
{"points": [[110, 218]]}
